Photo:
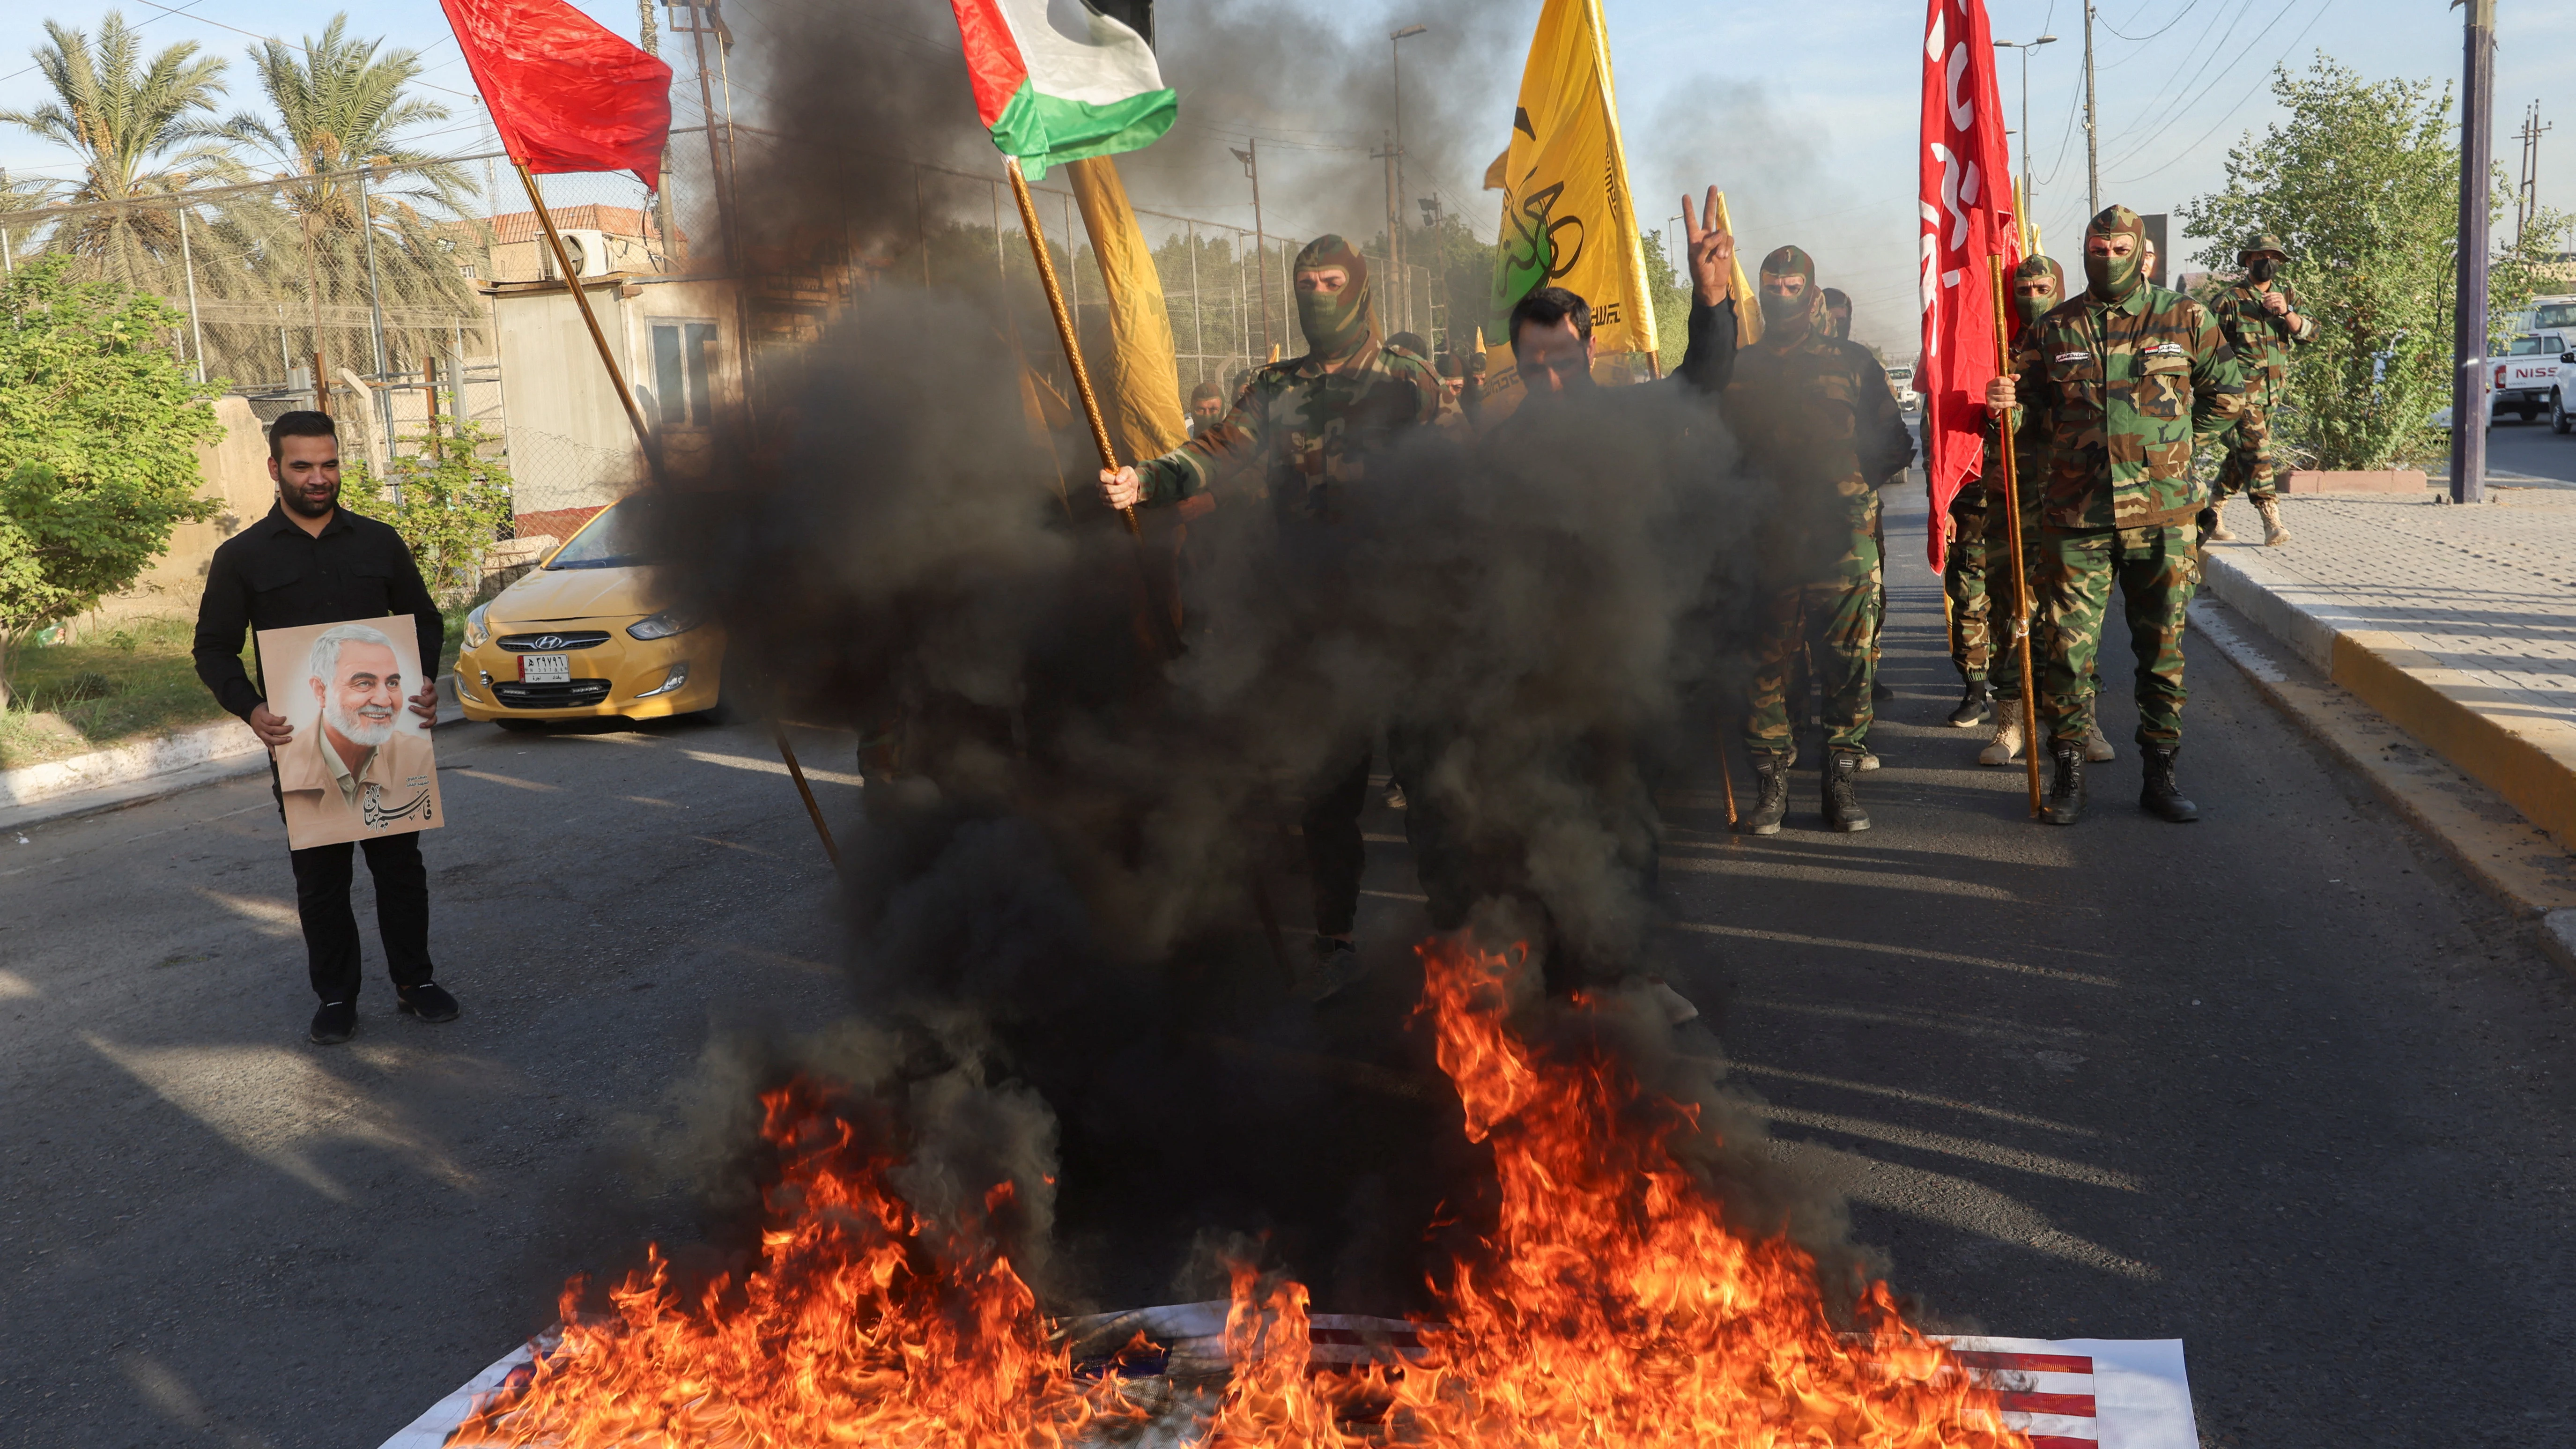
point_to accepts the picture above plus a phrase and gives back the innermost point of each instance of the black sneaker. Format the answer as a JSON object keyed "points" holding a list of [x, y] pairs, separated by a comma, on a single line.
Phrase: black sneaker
{"points": [[335, 1023], [1331, 965], [428, 1001]]}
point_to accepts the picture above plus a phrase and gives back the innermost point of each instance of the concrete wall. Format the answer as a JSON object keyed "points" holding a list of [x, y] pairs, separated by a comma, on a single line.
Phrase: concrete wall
{"points": [[235, 473]]}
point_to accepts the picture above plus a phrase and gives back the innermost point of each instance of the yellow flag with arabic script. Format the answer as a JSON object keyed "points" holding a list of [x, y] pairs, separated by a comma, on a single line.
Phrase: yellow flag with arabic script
{"points": [[1568, 219]]}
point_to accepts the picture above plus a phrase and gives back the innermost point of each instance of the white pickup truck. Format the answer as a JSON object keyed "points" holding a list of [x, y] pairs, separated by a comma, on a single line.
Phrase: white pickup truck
{"points": [[2536, 375]]}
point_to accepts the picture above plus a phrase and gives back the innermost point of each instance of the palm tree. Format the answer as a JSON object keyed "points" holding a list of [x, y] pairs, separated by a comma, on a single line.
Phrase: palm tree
{"points": [[137, 129], [341, 105]]}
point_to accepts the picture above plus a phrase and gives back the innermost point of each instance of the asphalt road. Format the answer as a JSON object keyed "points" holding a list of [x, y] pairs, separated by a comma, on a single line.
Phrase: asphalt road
{"points": [[2281, 1084], [2529, 455]]}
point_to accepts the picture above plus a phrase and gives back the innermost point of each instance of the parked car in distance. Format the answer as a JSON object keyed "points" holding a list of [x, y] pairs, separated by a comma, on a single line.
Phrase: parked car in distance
{"points": [[582, 636], [1908, 401]]}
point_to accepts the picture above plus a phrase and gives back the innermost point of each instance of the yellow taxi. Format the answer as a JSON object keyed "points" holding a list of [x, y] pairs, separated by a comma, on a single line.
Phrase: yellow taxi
{"points": [[581, 636]]}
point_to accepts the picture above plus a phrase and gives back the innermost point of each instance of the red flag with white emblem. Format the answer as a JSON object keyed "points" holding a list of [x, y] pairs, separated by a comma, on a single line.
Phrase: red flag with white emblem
{"points": [[1967, 220]]}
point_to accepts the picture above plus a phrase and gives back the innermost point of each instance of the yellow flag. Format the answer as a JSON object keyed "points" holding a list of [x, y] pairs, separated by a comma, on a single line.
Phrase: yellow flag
{"points": [[1567, 217], [1748, 305], [1143, 397]]}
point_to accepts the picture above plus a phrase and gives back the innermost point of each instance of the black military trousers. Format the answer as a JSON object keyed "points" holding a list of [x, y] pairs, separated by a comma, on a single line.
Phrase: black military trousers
{"points": [[322, 876], [1335, 853]]}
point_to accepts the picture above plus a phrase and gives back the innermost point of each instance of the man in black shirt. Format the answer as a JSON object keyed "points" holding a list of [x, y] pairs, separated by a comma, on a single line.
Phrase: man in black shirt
{"points": [[311, 562]]}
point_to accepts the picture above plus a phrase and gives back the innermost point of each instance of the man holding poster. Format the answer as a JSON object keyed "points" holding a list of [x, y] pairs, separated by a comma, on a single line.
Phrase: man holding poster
{"points": [[350, 768]]}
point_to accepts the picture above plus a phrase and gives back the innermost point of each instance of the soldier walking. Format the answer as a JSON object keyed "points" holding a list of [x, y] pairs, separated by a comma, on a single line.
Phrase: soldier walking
{"points": [[1299, 434], [1819, 424], [2260, 317], [2127, 379]]}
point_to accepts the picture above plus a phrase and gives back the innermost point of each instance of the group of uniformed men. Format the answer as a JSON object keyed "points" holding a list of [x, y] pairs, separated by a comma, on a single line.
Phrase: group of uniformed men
{"points": [[2108, 394]]}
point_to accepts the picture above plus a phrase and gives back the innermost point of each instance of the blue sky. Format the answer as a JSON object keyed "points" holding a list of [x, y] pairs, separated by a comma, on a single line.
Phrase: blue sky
{"points": [[1808, 118]]}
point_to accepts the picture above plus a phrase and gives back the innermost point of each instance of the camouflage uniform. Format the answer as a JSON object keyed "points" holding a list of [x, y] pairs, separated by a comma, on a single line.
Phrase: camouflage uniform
{"points": [[2262, 344], [1299, 435], [2124, 390], [1818, 422], [1963, 578]]}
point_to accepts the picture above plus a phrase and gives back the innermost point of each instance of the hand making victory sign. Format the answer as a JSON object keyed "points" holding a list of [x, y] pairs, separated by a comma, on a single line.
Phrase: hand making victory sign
{"points": [[1711, 250]]}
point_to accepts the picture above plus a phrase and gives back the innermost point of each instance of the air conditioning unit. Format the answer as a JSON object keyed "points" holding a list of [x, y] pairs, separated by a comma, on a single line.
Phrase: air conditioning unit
{"points": [[588, 250]]}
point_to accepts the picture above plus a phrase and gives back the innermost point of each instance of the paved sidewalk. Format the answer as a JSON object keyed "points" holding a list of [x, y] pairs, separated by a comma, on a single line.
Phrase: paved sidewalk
{"points": [[2458, 625]]}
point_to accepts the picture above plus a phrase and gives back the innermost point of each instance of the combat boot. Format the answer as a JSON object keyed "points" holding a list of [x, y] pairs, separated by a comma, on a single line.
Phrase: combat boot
{"points": [[2005, 747], [2274, 534], [1842, 792], [2159, 796], [1974, 703], [2097, 750], [2213, 528], [1770, 794], [2066, 792]]}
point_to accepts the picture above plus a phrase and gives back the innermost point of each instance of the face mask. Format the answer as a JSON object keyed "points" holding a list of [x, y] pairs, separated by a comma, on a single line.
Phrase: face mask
{"points": [[1335, 323], [2263, 269], [1779, 311], [2112, 279], [2034, 308]]}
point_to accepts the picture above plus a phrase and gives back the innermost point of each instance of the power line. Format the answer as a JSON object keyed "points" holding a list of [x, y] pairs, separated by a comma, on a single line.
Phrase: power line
{"points": [[2249, 95]]}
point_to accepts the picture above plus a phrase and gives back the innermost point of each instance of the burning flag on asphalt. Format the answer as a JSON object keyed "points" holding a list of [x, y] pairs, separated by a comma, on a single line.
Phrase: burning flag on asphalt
{"points": [[1967, 208], [565, 92], [1567, 217], [1048, 97]]}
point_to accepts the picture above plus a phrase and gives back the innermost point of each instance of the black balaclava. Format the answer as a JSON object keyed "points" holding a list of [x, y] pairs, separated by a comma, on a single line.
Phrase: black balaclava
{"points": [[1335, 326], [2114, 279], [1791, 315]]}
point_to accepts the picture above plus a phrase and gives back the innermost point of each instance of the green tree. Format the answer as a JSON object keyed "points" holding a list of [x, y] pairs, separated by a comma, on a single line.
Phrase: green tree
{"points": [[97, 427], [142, 132], [340, 104], [1672, 299], [448, 505], [2361, 181]]}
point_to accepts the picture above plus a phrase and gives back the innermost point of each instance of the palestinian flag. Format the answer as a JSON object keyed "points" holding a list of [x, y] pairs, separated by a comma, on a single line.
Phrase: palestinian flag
{"points": [[1047, 96]]}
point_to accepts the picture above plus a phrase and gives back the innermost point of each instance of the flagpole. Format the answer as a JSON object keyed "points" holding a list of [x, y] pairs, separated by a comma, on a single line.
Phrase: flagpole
{"points": [[2012, 528], [653, 455], [1064, 326], [581, 299]]}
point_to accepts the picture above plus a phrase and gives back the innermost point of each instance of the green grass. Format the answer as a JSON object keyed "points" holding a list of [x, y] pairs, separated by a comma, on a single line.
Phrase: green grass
{"points": [[130, 682]]}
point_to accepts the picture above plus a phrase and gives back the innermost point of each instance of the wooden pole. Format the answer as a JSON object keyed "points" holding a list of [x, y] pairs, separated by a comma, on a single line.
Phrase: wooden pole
{"points": [[1064, 326], [652, 451], [581, 298], [2012, 528]]}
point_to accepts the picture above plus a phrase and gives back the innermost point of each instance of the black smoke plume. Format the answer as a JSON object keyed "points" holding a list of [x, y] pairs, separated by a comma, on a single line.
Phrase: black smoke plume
{"points": [[1056, 886]]}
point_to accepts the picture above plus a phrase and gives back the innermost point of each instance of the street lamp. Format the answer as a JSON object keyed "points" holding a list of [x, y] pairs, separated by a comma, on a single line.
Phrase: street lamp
{"points": [[2025, 47], [1395, 179]]}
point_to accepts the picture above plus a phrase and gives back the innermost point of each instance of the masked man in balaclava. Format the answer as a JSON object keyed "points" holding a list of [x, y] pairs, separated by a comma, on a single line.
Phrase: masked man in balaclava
{"points": [[2261, 319], [1979, 578], [1298, 436], [2126, 379], [1820, 427]]}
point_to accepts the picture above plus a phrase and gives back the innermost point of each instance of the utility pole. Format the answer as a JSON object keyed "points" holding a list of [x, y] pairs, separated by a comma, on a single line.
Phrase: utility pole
{"points": [[698, 28], [188, 264], [673, 252], [2028, 190], [1395, 178], [376, 312], [2469, 331], [313, 294], [1251, 159], [2529, 197], [2092, 131], [1394, 318]]}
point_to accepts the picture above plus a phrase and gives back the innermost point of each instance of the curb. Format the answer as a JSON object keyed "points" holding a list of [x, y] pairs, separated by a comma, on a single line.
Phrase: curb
{"points": [[147, 769], [2531, 762]]}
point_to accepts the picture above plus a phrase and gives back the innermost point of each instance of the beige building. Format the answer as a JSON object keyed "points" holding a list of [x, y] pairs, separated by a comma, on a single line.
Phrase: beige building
{"points": [[602, 240]]}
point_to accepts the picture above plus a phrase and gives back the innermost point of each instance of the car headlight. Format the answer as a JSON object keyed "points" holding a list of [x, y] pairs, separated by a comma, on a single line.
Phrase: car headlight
{"points": [[477, 632], [663, 625]]}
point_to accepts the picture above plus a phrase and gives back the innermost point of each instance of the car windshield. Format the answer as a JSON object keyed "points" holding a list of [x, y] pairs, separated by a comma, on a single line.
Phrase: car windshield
{"points": [[2554, 314], [614, 540], [2535, 346]]}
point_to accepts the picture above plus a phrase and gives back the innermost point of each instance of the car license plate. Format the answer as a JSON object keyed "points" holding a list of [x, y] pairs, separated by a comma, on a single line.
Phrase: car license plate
{"points": [[546, 668]]}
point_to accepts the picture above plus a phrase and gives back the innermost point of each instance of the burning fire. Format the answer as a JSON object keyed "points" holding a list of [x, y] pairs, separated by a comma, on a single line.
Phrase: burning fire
{"points": [[1610, 1307]]}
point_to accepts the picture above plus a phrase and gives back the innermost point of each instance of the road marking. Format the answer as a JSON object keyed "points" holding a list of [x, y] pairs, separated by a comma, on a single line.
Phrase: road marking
{"points": [[1912, 953], [1992, 1153], [772, 767], [1903, 1095], [489, 778]]}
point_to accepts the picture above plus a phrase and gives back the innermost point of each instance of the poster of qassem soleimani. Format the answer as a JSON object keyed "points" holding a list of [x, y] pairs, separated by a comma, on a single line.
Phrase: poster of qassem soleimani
{"points": [[360, 764]]}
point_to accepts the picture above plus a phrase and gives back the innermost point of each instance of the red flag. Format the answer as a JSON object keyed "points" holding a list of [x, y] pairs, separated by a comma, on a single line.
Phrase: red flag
{"points": [[1967, 219], [566, 93]]}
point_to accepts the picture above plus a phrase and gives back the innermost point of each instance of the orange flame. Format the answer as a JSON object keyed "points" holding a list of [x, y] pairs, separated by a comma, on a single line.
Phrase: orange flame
{"points": [[1609, 1308]]}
